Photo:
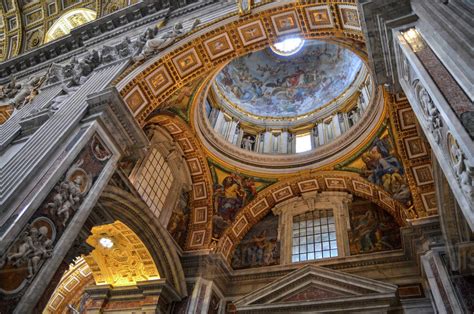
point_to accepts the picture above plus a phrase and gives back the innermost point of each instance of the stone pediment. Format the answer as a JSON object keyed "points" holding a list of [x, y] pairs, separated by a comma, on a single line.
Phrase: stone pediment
{"points": [[318, 289]]}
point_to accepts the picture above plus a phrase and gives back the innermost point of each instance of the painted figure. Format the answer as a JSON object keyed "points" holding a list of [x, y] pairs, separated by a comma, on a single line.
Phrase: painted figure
{"points": [[384, 169], [283, 87], [259, 247], [372, 230]]}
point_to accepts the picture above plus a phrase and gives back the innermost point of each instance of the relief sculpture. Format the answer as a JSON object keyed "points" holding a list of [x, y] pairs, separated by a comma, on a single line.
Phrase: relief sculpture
{"points": [[462, 169], [430, 112], [25, 256], [34, 245], [69, 193]]}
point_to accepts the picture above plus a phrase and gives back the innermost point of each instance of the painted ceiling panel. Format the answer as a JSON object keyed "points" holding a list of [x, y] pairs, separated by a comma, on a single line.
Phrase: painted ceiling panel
{"points": [[268, 85]]}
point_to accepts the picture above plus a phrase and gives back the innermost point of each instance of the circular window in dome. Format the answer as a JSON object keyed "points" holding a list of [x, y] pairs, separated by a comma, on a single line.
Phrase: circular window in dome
{"points": [[267, 85], [288, 46]]}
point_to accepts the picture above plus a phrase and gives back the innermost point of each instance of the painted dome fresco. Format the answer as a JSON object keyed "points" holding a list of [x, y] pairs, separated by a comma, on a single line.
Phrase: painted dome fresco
{"points": [[266, 84]]}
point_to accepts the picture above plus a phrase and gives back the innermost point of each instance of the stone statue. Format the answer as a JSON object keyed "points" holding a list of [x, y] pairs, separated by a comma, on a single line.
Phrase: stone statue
{"points": [[34, 247], [247, 143], [10, 89], [108, 54], [65, 94], [18, 95], [155, 44]]}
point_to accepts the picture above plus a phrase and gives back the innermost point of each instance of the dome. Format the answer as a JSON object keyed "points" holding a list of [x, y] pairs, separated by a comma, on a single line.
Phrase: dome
{"points": [[268, 85]]}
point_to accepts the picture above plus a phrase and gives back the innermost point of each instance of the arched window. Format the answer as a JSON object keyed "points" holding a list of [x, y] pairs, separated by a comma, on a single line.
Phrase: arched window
{"points": [[68, 21]]}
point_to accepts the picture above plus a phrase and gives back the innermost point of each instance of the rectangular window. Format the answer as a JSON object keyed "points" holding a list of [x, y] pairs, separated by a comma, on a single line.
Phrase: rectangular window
{"points": [[314, 236], [303, 142], [154, 180]]}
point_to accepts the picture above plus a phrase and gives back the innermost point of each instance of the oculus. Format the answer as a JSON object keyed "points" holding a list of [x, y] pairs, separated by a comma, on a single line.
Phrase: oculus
{"points": [[106, 242], [288, 46]]}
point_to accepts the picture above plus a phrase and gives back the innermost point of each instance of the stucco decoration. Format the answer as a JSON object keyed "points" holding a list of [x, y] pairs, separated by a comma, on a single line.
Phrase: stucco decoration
{"points": [[120, 258], [265, 84]]}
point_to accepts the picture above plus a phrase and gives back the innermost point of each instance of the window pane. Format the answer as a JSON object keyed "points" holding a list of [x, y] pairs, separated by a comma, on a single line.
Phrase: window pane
{"points": [[314, 236], [303, 143]]}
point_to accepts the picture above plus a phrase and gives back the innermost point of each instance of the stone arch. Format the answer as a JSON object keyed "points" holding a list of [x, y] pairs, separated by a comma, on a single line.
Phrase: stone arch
{"points": [[294, 187], [70, 287], [133, 212], [199, 232], [146, 85]]}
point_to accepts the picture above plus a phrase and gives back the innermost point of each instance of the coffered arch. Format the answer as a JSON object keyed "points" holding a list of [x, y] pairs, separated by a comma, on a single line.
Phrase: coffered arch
{"points": [[145, 86], [134, 213], [296, 186]]}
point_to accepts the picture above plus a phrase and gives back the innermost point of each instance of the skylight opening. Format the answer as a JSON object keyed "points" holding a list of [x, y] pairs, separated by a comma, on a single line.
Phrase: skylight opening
{"points": [[288, 46], [303, 143], [106, 242]]}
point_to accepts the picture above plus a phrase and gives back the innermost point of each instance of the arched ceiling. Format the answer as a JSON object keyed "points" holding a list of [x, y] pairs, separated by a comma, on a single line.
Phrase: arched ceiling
{"points": [[24, 23], [119, 257], [172, 79], [148, 84]]}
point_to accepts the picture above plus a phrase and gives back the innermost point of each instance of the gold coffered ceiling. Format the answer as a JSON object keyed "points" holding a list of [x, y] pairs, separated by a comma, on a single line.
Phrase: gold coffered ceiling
{"points": [[25, 23]]}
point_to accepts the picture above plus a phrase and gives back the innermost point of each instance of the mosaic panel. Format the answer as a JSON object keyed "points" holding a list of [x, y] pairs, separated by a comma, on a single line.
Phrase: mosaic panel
{"points": [[260, 246]]}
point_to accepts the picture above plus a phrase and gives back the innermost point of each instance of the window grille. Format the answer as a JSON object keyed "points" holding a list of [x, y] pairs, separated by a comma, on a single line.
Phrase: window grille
{"points": [[314, 236]]}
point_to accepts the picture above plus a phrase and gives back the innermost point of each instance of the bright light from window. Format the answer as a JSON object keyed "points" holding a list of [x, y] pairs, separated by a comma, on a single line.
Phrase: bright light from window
{"points": [[106, 242], [288, 47], [314, 236], [303, 143]]}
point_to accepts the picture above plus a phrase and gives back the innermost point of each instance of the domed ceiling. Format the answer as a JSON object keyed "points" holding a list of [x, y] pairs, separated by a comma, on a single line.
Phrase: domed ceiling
{"points": [[268, 85]]}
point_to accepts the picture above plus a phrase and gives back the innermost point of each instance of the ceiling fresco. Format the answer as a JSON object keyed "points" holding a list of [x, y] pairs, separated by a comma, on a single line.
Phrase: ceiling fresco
{"points": [[265, 84]]}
